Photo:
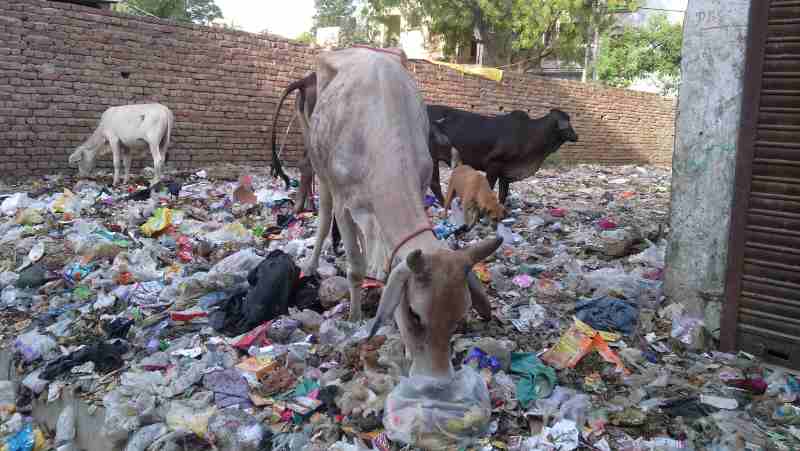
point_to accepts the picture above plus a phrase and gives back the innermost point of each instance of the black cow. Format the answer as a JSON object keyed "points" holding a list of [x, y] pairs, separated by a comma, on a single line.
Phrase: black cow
{"points": [[510, 147]]}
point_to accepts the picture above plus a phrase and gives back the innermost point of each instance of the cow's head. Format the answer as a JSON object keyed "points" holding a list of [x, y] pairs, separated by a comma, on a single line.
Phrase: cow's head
{"points": [[565, 130], [429, 294], [438, 136], [85, 158]]}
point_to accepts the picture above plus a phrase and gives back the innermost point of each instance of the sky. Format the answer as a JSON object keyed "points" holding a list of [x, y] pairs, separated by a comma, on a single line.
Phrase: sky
{"points": [[288, 18]]}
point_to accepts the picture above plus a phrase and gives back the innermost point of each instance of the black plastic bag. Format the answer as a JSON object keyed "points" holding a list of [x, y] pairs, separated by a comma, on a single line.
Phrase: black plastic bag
{"points": [[272, 285]]}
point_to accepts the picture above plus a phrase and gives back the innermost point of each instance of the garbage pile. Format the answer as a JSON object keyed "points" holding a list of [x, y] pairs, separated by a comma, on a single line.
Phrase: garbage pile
{"points": [[180, 317]]}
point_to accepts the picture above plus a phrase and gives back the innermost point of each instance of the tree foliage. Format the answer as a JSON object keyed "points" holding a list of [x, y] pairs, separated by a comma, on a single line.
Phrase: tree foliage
{"points": [[197, 11], [515, 32], [355, 26], [636, 53]]}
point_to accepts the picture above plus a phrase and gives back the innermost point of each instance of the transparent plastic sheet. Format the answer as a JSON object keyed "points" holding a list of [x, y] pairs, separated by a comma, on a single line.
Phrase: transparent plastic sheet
{"points": [[200, 284], [290, 442], [8, 397], [145, 436], [11, 204], [65, 426], [230, 233], [235, 430], [434, 413], [653, 256], [34, 383], [190, 416], [614, 281], [240, 262], [126, 411], [333, 290]]}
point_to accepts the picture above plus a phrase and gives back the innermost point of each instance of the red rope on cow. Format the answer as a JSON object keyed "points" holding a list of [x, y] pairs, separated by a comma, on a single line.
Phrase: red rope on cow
{"points": [[419, 232]]}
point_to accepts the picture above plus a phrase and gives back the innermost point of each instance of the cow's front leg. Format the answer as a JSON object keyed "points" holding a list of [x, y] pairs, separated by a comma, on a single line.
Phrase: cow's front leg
{"points": [[436, 185], [115, 154], [491, 177], [356, 263], [504, 190]]}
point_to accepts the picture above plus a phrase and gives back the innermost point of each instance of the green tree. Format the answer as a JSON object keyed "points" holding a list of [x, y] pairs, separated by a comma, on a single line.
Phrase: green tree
{"points": [[355, 27], [306, 37], [516, 33], [634, 53], [197, 11]]}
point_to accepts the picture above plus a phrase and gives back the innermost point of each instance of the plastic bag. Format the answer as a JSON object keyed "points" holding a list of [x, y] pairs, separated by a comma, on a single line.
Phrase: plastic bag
{"points": [[235, 430], [15, 202], [29, 216], [162, 218], [125, 411], [186, 415], [34, 382], [243, 261], [8, 297], [65, 427], [431, 413], [456, 214], [333, 331], [653, 256], [231, 233], [34, 345], [8, 278], [8, 397], [579, 340], [510, 238], [145, 436], [687, 329], [610, 282], [290, 442], [333, 290], [27, 439]]}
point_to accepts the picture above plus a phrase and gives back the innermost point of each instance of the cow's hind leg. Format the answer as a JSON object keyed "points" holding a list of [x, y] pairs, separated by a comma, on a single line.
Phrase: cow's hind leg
{"points": [[158, 160], [325, 217], [115, 154], [127, 156], [356, 263], [306, 179]]}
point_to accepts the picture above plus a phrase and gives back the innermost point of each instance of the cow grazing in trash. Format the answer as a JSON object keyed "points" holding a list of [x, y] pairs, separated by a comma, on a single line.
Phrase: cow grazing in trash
{"points": [[122, 130], [369, 147], [510, 147], [306, 99], [304, 105]]}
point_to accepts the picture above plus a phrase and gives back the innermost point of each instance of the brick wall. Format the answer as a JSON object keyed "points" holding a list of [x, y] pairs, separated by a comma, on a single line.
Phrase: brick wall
{"points": [[62, 65]]}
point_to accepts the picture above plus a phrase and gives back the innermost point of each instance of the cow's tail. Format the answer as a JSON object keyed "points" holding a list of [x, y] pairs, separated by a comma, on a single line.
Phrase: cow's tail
{"points": [[277, 168], [167, 138]]}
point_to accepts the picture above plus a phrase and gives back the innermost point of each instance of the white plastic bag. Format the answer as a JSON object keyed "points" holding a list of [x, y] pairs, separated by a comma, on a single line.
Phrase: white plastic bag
{"points": [[17, 201], [240, 262], [65, 427], [432, 413], [34, 345]]}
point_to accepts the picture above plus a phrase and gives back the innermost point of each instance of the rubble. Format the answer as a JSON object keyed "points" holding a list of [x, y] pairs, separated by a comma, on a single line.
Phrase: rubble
{"points": [[180, 317]]}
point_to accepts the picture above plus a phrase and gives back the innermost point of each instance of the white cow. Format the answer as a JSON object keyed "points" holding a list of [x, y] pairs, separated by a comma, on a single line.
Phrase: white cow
{"points": [[368, 143], [123, 129]]}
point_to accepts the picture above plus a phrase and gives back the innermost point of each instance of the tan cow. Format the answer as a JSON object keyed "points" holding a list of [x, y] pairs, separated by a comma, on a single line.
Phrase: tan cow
{"points": [[368, 143], [124, 129]]}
